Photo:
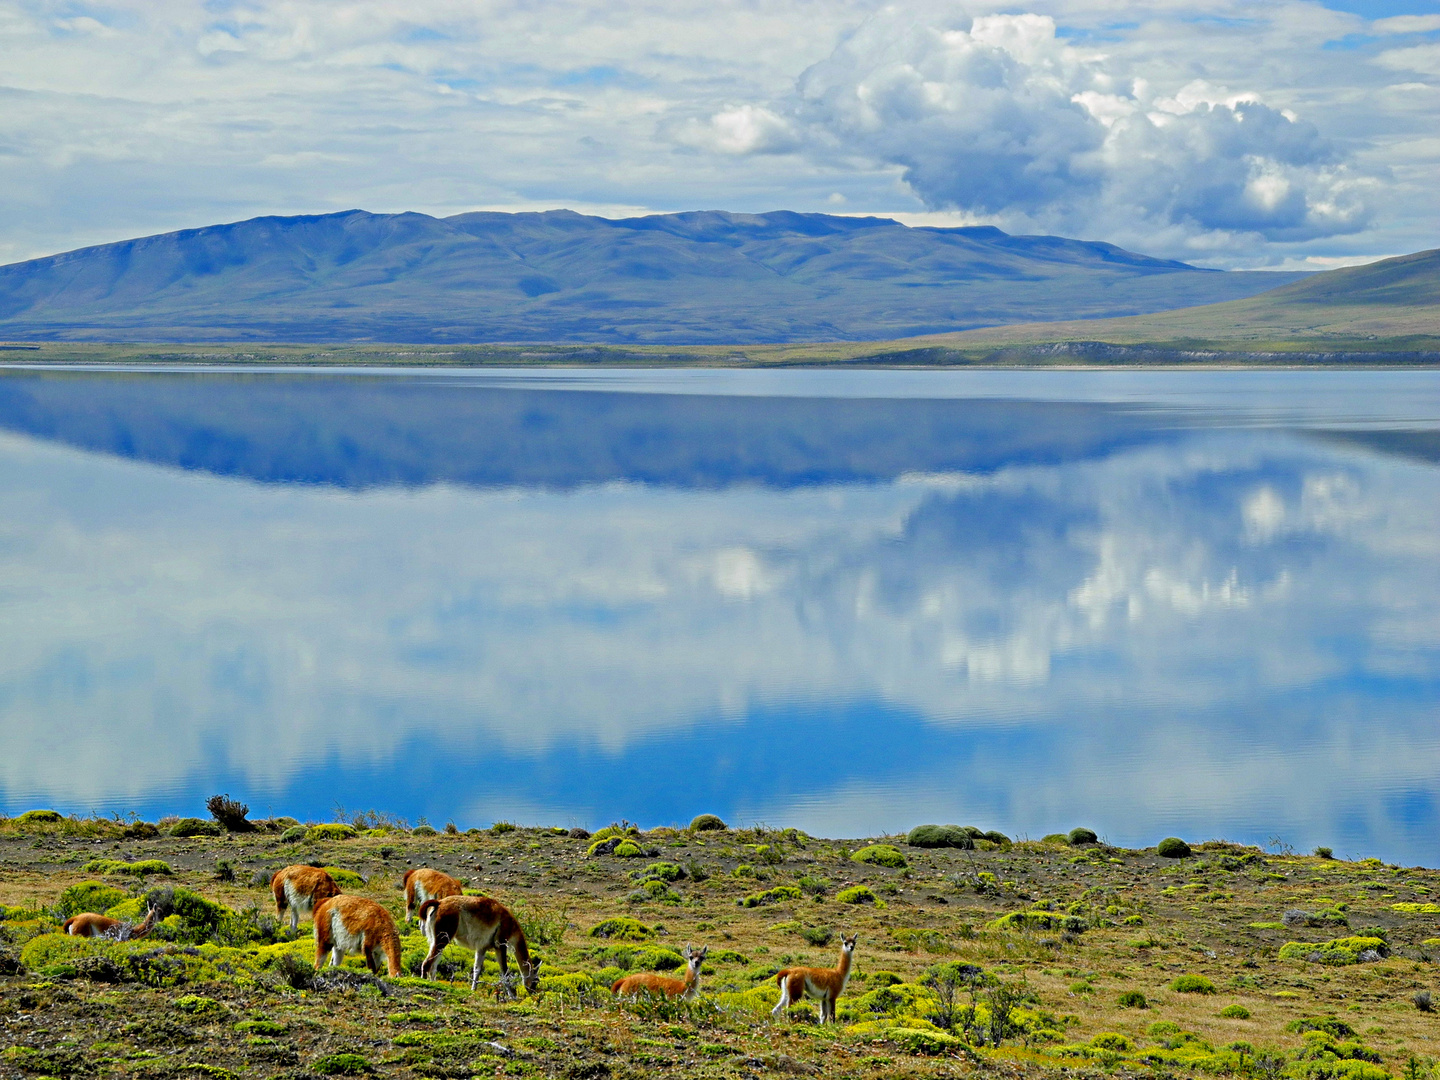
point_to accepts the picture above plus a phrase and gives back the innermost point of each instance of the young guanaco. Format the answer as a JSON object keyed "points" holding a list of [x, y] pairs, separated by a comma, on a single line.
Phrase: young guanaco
{"points": [[352, 924], [478, 923], [91, 925], [299, 889], [647, 982], [826, 984], [423, 884]]}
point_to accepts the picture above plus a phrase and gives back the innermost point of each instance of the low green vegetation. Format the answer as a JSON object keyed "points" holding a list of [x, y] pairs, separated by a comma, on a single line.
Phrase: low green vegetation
{"points": [[1051, 958]]}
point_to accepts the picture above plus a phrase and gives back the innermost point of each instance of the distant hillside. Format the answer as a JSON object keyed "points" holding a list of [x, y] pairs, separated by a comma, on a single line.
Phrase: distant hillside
{"points": [[1390, 306], [559, 276]]}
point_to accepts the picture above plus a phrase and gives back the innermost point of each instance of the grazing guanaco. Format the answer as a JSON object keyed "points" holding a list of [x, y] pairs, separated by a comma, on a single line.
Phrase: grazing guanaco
{"points": [[299, 889], [423, 884], [647, 982], [352, 924], [826, 984], [89, 924], [478, 923]]}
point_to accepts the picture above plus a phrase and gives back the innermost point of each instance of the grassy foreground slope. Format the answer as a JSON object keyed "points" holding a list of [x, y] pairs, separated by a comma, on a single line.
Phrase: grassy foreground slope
{"points": [[1388, 306], [1081, 958]]}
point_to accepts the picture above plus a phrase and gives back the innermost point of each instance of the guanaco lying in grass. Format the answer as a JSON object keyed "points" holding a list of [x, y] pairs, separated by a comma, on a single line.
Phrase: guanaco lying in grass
{"points": [[91, 925], [647, 982], [352, 924], [478, 923], [826, 984], [423, 884], [299, 889]]}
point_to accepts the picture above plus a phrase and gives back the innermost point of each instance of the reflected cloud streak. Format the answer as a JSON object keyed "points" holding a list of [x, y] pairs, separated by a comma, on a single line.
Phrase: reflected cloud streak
{"points": [[1220, 630]]}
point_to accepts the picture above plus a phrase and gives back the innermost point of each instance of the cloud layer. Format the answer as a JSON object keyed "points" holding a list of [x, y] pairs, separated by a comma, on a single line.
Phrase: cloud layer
{"points": [[1217, 130]]}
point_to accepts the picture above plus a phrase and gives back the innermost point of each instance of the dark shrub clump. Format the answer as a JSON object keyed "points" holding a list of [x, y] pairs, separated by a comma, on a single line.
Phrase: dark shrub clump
{"points": [[229, 813], [1076, 837], [940, 836], [708, 823]]}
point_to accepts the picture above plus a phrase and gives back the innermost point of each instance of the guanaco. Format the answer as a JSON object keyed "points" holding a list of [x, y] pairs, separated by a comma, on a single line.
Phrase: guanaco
{"points": [[423, 884], [91, 925], [826, 984], [352, 924], [647, 982], [478, 923], [299, 889]]}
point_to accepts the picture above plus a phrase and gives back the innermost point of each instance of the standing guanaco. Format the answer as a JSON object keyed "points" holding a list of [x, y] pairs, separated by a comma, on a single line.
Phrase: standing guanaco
{"points": [[89, 924], [478, 923], [826, 984], [423, 884], [352, 924], [647, 982], [299, 889]]}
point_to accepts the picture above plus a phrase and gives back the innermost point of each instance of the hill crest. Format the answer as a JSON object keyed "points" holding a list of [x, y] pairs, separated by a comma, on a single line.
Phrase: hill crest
{"points": [[695, 277]]}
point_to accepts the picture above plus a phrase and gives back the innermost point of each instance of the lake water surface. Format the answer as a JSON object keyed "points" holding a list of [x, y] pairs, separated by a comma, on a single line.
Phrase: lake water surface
{"points": [[1199, 603]]}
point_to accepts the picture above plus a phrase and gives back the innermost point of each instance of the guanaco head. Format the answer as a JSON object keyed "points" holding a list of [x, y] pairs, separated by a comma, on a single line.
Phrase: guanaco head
{"points": [[693, 960], [847, 944], [530, 976], [147, 925]]}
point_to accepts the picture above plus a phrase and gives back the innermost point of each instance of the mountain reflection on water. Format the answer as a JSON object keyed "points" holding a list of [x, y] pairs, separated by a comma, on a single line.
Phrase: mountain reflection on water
{"points": [[483, 599]]}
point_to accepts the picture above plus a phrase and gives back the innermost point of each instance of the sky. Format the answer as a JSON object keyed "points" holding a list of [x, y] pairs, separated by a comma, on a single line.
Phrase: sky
{"points": [[1285, 133]]}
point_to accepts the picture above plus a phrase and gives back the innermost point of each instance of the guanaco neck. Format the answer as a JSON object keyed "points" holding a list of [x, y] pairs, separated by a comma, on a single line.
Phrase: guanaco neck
{"points": [[843, 968]]}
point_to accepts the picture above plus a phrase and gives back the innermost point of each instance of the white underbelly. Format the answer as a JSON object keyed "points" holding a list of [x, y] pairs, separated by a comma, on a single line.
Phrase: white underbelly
{"points": [[344, 939], [296, 899]]}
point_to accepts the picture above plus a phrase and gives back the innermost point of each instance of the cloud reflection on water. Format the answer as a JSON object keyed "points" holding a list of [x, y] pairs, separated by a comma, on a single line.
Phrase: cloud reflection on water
{"points": [[1221, 631]]}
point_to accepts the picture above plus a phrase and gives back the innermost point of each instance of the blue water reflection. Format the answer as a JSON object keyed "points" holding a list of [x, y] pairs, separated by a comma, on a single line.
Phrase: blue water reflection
{"points": [[1204, 606]]}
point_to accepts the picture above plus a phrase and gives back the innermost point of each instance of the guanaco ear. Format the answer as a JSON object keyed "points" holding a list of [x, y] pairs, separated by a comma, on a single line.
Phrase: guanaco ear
{"points": [[704, 952], [686, 953]]}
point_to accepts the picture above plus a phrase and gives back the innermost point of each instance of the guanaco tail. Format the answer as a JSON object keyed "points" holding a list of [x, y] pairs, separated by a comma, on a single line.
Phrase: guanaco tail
{"points": [[91, 925], [647, 982], [423, 884], [478, 923], [825, 984], [352, 924], [298, 889]]}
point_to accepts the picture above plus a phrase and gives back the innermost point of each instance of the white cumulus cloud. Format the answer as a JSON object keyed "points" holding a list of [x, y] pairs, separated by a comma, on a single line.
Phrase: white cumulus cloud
{"points": [[1000, 115]]}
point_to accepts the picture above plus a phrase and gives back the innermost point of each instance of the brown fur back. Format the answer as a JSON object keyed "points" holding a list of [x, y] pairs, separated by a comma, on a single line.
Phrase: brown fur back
{"points": [[308, 881], [437, 885], [648, 980], [88, 924], [363, 918], [827, 979]]}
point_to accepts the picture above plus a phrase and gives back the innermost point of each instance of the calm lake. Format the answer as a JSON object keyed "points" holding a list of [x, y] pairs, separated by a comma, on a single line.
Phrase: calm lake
{"points": [[1193, 603]]}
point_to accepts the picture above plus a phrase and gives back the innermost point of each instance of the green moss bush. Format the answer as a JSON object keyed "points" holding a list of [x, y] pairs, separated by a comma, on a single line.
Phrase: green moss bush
{"points": [[881, 855], [622, 929], [93, 896], [1192, 984], [293, 834], [332, 830], [941, 836], [194, 826], [707, 823], [857, 894], [1235, 1012], [1337, 953], [778, 895], [39, 817], [1172, 847]]}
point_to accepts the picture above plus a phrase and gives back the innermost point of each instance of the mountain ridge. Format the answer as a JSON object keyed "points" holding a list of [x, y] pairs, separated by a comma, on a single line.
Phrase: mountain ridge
{"points": [[696, 277]]}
